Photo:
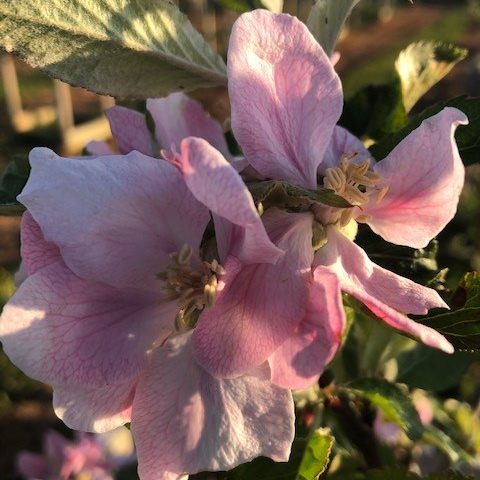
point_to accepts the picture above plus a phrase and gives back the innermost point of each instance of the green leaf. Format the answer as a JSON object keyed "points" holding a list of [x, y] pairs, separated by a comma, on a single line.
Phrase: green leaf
{"points": [[7, 287], [317, 453], [436, 437], [308, 460], [460, 326], [12, 182], [124, 48], [375, 111], [396, 474], [326, 20], [417, 264], [282, 194], [467, 136], [431, 369], [299, 196], [394, 403], [421, 65]]}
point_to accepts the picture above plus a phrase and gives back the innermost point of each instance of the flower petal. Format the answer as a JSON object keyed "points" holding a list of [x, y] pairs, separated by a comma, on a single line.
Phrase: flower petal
{"points": [[216, 184], [177, 117], [130, 131], [35, 250], [186, 421], [285, 95], [99, 149], [343, 143], [32, 465], [258, 306], [424, 174], [94, 409], [115, 219], [385, 293], [63, 330], [300, 361]]}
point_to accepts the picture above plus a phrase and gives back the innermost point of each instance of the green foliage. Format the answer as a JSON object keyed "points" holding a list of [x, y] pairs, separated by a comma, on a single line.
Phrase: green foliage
{"points": [[392, 401], [12, 182], [422, 64], [430, 369], [418, 264], [7, 287], [375, 111], [461, 326], [467, 136], [123, 48], [326, 19], [242, 6], [282, 194], [395, 474], [308, 460]]}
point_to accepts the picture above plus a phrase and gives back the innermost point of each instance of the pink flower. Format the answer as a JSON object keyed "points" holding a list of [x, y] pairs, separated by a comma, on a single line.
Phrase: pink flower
{"points": [[112, 246], [66, 460], [286, 100]]}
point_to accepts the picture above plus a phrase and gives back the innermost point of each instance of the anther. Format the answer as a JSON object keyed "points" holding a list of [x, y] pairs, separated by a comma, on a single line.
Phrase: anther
{"points": [[363, 218], [381, 193]]}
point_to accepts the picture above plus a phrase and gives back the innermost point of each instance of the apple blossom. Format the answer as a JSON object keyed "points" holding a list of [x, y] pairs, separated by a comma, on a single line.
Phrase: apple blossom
{"points": [[112, 246], [286, 100]]}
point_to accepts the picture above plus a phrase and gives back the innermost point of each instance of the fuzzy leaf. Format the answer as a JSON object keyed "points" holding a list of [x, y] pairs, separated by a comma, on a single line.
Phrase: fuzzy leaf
{"points": [[123, 48], [326, 19], [467, 136], [421, 65], [394, 403]]}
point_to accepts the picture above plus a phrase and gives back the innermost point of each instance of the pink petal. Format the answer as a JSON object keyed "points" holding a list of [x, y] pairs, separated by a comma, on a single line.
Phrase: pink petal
{"points": [[63, 330], [300, 361], [342, 143], [129, 129], [177, 117], [186, 421], [285, 95], [115, 219], [99, 149], [33, 466], [35, 250], [258, 306], [216, 184], [94, 409], [386, 294], [55, 446], [424, 174]]}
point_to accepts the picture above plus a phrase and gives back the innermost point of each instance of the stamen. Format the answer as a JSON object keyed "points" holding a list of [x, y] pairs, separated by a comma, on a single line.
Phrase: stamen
{"points": [[192, 288], [381, 193], [346, 216], [363, 218]]}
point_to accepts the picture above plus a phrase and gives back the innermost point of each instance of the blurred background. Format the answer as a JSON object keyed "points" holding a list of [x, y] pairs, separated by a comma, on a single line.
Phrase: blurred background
{"points": [[35, 110]]}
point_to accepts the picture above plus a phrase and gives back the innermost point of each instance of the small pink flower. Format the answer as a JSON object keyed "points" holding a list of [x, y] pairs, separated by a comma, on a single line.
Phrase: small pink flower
{"points": [[286, 100], [66, 460]]}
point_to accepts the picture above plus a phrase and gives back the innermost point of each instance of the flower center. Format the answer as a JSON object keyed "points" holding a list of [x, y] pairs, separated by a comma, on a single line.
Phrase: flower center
{"points": [[355, 183], [192, 288]]}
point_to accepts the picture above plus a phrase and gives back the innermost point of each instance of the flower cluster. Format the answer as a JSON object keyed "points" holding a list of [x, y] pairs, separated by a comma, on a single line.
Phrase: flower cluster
{"points": [[159, 293]]}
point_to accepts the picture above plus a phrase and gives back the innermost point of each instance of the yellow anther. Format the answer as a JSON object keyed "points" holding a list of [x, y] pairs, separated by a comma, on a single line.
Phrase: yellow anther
{"points": [[346, 216], [363, 218], [185, 255], [381, 193], [334, 179], [192, 288]]}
